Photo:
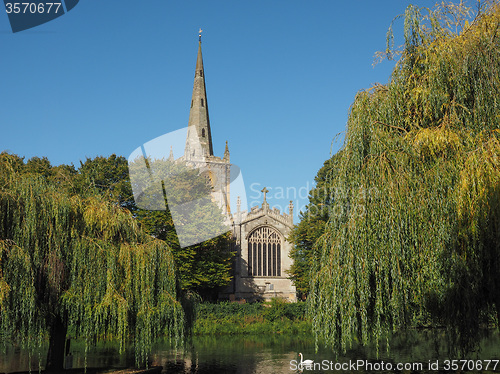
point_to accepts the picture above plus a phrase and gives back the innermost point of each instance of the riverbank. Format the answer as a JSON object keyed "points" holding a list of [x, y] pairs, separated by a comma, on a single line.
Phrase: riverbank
{"points": [[231, 318]]}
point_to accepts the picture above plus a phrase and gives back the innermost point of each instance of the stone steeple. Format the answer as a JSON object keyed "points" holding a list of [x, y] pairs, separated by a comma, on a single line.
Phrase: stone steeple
{"points": [[199, 137], [226, 153]]}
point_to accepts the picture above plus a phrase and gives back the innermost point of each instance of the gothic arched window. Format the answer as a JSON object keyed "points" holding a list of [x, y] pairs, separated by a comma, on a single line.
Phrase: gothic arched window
{"points": [[264, 253]]}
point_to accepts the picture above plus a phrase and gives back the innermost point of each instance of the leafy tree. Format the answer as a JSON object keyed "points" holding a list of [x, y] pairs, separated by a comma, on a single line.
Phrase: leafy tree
{"points": [[80, 263], [63, 177], [310, 228], [107, 177], [426, 247], [204, 267], [39, 166], [10, 164]]}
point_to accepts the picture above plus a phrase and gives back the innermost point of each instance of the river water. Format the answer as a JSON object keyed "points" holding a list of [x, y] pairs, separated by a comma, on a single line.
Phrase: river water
{"points": [[417, 352]]}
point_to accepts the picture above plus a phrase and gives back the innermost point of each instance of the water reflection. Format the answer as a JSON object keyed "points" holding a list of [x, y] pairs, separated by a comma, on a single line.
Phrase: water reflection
{"points": [[279, 354], [269, 354]]}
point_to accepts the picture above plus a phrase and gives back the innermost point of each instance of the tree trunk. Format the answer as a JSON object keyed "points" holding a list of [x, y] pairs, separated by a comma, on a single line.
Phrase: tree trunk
{"points": [[57, 339]]}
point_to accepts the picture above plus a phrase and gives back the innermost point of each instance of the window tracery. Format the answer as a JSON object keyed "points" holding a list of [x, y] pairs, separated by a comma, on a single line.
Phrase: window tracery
{"points": [[264, 253]]}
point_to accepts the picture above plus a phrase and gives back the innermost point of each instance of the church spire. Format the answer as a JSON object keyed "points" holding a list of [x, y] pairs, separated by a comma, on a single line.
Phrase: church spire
{"points": [[171, 155], [226, 153], [199, 138]]}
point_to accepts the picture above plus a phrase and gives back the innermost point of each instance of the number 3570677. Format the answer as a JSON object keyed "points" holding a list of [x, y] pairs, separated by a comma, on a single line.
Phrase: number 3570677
{"points": [[33, 7]]}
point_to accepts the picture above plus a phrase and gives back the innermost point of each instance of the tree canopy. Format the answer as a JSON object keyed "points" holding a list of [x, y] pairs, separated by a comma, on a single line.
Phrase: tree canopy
{"points": [[82, 263], [425, 247], [310, 227], [202, 267]]}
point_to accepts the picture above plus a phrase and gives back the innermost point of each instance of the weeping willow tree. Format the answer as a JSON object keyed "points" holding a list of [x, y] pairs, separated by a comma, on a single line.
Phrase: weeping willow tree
{"points": [[81, 264], [413, 236]]}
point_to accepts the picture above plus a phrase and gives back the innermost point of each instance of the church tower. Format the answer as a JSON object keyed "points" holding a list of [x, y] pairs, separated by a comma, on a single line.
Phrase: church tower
{"points": [[262, 250], [199, 149]]}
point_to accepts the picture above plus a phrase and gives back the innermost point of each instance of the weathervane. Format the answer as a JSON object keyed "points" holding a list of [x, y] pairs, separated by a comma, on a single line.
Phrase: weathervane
{"points": [[199, 34]]}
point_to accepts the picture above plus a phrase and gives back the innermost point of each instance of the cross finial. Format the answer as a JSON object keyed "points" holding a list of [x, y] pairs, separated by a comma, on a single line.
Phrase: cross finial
{"points": [[264, 191], [199, 34]]}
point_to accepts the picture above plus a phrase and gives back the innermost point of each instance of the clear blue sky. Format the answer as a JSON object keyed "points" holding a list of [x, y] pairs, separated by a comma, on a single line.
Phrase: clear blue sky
{"points": [[111, 75]]}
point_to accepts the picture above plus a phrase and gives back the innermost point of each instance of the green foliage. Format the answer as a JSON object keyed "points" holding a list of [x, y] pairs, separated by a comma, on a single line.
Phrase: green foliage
{"points": [[416, 236], [277, 317], [39, 166], [106, 177], [229, 309], [61, 176], [279, 309], [309, 229], [204, 267], [79, 262]]}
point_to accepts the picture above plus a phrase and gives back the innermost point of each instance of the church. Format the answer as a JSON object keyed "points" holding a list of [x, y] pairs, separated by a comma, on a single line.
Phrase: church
{"points": [[262, 251]]}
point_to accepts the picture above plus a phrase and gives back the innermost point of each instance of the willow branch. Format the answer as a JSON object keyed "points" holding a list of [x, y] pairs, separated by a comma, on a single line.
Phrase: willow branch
{"points": [[391, 126]]}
